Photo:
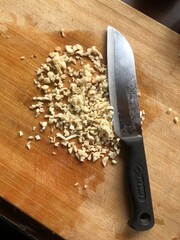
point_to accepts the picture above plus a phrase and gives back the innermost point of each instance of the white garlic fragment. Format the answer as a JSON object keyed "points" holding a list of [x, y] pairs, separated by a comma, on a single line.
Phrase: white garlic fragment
{"points": [[104, 161], [28, 145], [30, 138], [176, 120], [37, 137], [20, 133], [114, 161]]}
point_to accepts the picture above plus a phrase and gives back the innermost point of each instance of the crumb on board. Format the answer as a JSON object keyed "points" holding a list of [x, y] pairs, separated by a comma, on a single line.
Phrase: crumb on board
{"points": [[104, 161], [169, 110], [85, 186], [30, 138], [28, 145], [20, 133], [54, 153], [22, 57], [114, 161], [142, 113], [34, 128], [176, 120], [143, 118], [37, 137], [62, 32], [56, 144], [33, 56], [76, 184]]}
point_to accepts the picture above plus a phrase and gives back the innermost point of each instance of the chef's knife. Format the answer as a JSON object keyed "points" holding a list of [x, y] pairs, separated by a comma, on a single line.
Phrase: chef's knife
{"points": [[127, 126]]}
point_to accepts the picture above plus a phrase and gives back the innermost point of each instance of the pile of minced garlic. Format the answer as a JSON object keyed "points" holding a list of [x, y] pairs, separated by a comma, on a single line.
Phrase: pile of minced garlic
{"points": [[74, 103]]}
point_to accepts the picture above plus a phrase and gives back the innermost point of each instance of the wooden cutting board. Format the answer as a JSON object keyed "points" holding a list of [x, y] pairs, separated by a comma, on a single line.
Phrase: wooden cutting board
{"points": [[42, 185]]}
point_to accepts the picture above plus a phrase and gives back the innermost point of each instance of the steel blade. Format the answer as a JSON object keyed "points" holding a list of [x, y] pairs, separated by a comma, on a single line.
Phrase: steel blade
{"points": [[122, 85]]}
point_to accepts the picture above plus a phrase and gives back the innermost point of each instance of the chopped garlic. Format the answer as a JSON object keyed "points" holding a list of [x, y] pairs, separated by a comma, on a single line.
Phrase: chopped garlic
{"points": [[64, 143], [60, 136], [20, 133], [104, 150], [66, 133], [176, 120], [85, 186], [30, 137], [96, 156], [45, 87], [69, 49], [74, 148], [28, 145], [22, 58], [43, 125], [56, 144], [71, 127], [104, 161], [143, 118], [114, 161], [143, 112], [76, 184], [112, 154], [37, 137], [71, 137], [74, 100], [70, 150], [62, 33], [169, 110]]}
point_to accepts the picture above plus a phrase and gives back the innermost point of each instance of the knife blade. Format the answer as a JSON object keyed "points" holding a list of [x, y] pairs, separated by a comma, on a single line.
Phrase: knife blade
{"points": [[127, 125]]}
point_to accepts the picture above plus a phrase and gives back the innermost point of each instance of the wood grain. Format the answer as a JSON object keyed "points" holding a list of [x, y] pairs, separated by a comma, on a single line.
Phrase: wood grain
{"points": [[42, 185]]}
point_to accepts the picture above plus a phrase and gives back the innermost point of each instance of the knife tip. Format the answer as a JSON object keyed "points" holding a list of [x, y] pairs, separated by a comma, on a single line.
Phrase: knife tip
{"points": [[109, 28], [112, 30]]}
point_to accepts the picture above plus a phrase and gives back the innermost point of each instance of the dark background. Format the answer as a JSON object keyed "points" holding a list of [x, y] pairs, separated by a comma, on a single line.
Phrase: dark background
{"points": [[166, 12]]}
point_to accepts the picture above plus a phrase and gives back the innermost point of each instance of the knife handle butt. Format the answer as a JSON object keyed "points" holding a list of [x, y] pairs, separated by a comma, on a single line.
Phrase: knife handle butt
{"points": [[141, 217]]}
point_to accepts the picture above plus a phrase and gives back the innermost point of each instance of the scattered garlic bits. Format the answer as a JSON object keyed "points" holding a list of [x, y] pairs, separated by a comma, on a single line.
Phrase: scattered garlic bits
{"points": [[74, 102], [142, 117]]}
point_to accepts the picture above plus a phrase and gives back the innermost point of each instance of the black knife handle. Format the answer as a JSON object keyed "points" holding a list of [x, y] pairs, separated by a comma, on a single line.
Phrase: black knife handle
{"points": [[141, 217]]}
